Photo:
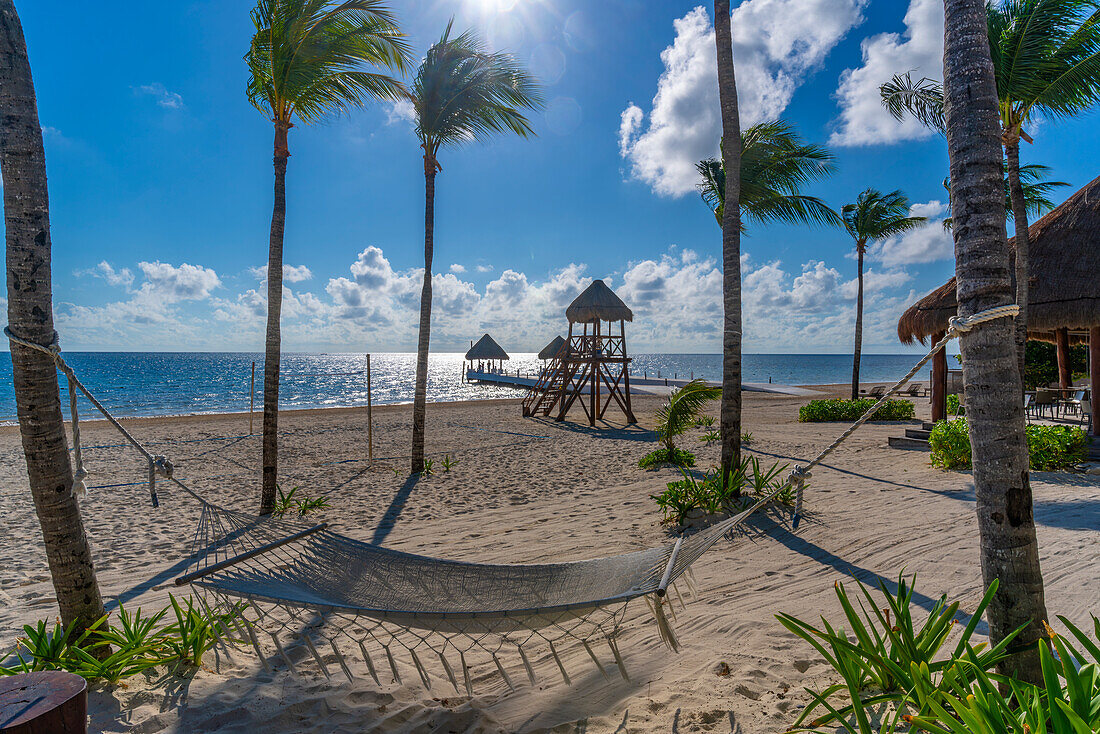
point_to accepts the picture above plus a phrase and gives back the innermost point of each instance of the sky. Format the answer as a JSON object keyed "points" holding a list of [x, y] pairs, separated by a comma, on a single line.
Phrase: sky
{"points": [[161, 180]]}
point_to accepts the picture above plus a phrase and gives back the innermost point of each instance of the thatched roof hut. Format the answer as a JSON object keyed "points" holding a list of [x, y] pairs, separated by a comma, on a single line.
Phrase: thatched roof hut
{"points": [[597, 303], [551, 350], [1064, 287], [485, 349]]}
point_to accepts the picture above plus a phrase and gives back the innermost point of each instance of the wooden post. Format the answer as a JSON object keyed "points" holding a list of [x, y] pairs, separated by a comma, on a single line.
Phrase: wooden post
{"points": [[1094, 374], [1061, 344], [370, 420], [596, 365], [252, 398], [626, 375], [939, 381]]}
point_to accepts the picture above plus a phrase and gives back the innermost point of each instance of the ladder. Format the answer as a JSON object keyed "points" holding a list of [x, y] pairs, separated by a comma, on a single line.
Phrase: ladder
{"points": [[544, 394]]}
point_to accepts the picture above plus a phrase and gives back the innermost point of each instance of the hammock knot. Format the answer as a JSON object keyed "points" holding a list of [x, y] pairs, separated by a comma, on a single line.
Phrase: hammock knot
{"points": [[163, 466], [963, 324]]}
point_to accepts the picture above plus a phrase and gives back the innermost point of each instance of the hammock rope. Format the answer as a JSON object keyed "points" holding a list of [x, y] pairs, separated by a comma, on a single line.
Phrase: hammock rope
{"points": [[326, 591]]}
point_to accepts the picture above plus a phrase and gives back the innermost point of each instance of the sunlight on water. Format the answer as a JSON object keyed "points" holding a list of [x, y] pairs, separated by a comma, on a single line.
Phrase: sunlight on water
{"points": [[186, 383]]}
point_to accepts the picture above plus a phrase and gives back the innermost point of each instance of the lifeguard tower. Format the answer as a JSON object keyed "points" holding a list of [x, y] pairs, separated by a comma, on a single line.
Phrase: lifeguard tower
{"points": [[592, 365]]}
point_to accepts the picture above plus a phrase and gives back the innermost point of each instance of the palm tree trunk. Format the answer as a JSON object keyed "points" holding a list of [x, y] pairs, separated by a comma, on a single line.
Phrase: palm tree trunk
{"points": [[859, 325], [30, 314], [1009, 552], [420, 393], [273, 344], [730, 416], [1019, 218]]}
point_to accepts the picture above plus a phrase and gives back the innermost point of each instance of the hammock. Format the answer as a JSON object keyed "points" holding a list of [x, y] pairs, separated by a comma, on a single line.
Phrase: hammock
{"points": [[314, 584]]}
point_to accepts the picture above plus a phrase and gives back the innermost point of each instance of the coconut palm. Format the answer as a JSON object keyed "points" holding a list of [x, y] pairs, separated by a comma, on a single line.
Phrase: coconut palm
{"points": [[775, 164], [730, 415], [310, 59], [1036, 187], [30, 316], [682, 409], [1046, 61], [1006, 526], [462, 93], [873, 217]]}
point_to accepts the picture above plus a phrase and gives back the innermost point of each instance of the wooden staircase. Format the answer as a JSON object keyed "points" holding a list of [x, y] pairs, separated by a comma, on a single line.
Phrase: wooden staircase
{"points": [[915, 439], [545, 393]]}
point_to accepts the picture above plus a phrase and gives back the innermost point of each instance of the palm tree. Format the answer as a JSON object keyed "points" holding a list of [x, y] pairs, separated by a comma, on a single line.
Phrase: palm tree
{"points": [[775, 164], [1037, 190], [1006, 526], [730, 415], [462, 93], [681, 410], [875, 216], [30, 316], [309, 60], [1046, 61]]}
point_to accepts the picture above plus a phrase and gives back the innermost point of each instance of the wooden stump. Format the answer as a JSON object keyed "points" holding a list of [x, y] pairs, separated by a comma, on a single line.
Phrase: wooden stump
{"points": [[43, 702]]}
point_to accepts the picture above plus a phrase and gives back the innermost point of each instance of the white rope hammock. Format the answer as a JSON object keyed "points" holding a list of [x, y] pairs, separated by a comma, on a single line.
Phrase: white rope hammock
{"points": [[308, 584]]}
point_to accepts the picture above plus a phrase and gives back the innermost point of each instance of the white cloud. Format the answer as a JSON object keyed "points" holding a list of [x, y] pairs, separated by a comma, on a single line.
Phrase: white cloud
{"points": [[458, 268], [164, 97], [919, 50], [182, 283], [777, 44], [123, 277], [484, 268], [928, 243], [401, 111], [291, 273]]}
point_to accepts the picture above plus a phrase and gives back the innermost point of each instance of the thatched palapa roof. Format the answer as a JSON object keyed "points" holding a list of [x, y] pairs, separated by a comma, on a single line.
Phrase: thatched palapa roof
{"points": [[1064, 283], [551, 350], [486, 348], [597, 303]]}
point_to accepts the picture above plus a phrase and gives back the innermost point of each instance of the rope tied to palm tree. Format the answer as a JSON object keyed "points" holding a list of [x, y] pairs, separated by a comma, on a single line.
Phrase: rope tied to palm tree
{"points": [[159, 465]]}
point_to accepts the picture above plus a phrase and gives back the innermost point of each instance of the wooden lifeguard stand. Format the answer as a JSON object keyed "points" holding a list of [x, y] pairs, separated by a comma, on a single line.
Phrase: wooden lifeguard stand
{"points": [[591, 364]]}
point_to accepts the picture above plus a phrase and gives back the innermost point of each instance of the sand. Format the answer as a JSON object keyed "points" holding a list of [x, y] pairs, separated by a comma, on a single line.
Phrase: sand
{"points": [[527, 490]]}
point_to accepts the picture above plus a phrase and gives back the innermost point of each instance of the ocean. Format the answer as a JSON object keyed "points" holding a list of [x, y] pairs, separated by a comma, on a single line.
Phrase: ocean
{"points": [[164, 383]]}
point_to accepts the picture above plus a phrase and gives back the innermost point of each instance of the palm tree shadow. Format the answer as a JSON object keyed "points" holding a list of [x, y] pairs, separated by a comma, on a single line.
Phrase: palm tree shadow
{"points": [[397, 504]]}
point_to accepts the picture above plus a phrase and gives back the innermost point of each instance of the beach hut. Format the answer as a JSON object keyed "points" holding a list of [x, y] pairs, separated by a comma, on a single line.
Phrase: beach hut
{"points": [[1063, 300], [487, 354], [594, 362], [551, 350]]}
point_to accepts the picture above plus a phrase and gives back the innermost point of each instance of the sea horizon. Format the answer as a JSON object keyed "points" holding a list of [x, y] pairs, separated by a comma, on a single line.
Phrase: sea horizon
{"points": [[153, 384]]}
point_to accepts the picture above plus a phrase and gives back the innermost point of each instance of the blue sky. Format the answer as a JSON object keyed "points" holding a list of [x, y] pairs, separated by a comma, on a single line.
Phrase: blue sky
{"points": [[160, 179]]}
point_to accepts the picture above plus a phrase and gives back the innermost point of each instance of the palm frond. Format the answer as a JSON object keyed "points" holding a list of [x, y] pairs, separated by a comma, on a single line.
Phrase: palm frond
{"points": [[683, 407], [875, 216], [923, 99], [463, 93], [1037, 191], [775, 164], [314, 58]]}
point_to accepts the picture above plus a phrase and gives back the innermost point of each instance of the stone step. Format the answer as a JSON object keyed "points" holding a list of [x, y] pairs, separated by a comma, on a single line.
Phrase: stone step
{"points": [[905, 442], [926, 426], [921, 433]]}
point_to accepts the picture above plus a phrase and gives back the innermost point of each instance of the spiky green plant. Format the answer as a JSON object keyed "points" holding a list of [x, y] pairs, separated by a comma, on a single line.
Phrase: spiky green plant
{"points": [[683, 409]]}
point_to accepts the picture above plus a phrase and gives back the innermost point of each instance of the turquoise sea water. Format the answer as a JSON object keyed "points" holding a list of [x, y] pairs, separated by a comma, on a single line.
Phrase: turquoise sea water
{"points": [[143, 384]]}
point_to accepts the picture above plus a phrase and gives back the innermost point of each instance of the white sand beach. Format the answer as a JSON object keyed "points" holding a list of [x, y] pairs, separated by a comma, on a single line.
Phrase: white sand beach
{"points": [[530, 490]]}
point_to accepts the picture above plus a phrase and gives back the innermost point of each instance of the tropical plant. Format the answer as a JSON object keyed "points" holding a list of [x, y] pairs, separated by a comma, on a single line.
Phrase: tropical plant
{"points": [[310, 59], [675, 457], [710, 437], [1006, 525], [775, 164], [874, 216], [706, 421], [821, 411], [730, 412], [429, 468], [1049, 448], [716, 492], [448, 463], [888, 658], [303, 505], [683, 409], [1037, 190], [462, 93], [1046, 62], [30, 317]]}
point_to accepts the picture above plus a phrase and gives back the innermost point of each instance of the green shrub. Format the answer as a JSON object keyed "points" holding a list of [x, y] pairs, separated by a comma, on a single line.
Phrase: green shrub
{"points": [[896, 674], [288, 502], [135, 643], [1049, 448], [715, 493], [675, 457], [954, 405], [818, 411]]}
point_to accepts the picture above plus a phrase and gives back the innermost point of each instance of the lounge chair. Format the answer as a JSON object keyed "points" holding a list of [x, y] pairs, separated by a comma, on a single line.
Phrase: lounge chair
{"points": [[916, 390], [876, 392]]}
